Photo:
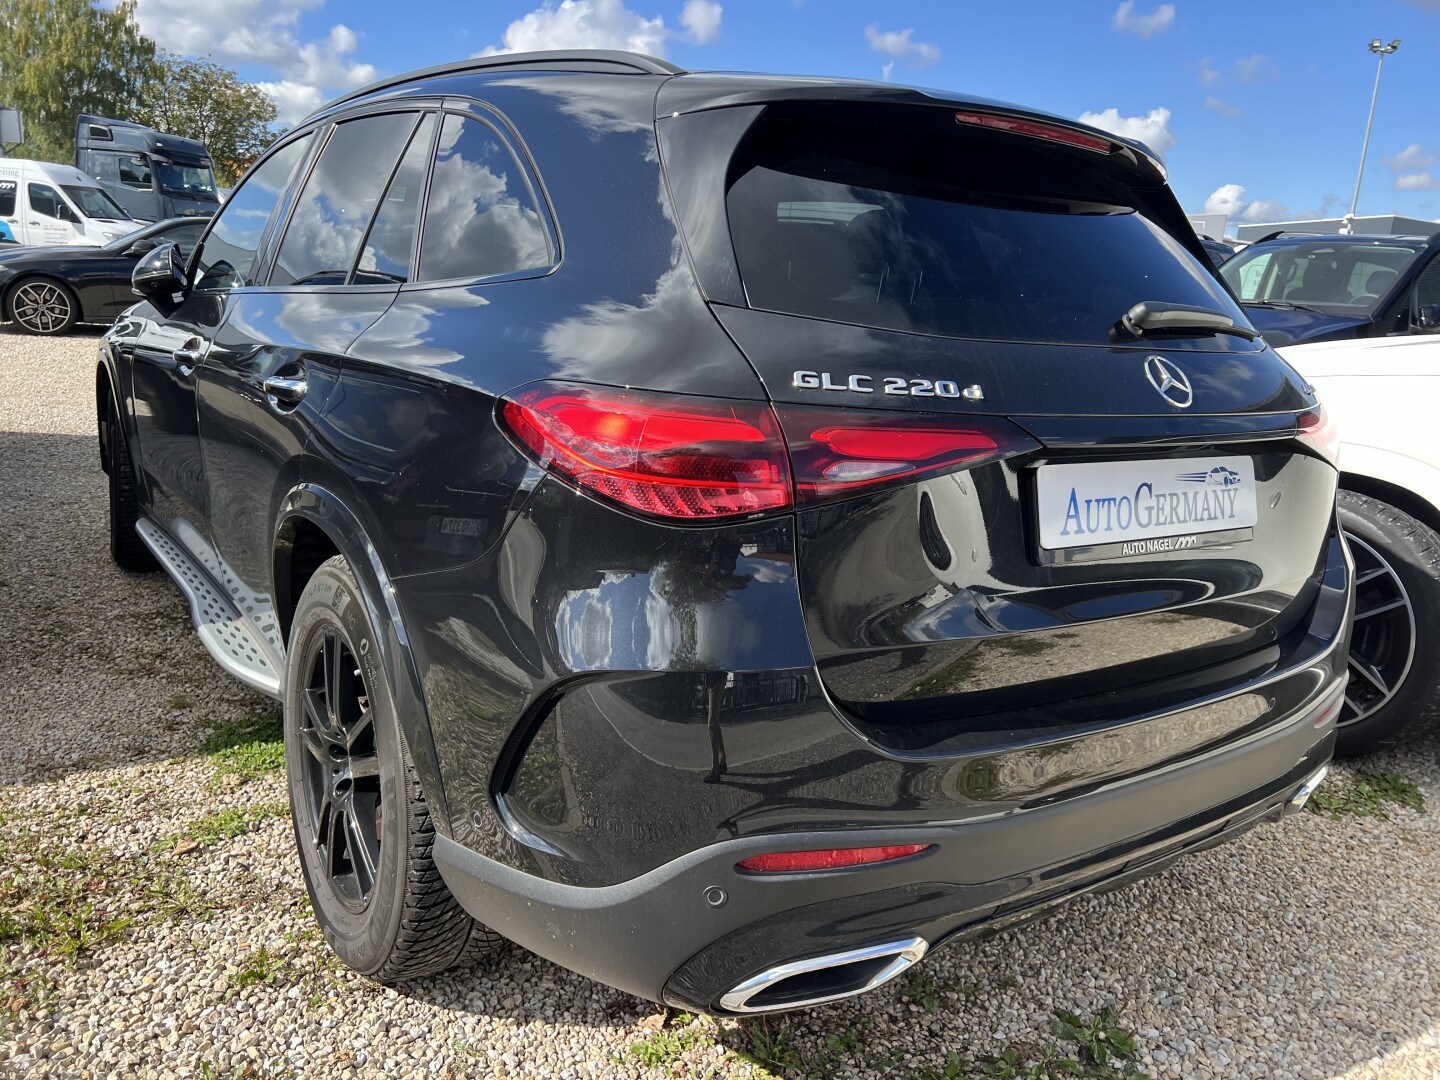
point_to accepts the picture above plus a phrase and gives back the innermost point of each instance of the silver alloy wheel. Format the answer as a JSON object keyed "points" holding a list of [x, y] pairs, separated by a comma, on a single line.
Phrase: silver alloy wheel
{"points": [[1382, 643], [40, 306]]}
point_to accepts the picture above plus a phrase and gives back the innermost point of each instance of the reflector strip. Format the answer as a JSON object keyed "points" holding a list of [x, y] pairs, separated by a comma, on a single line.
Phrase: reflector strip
{"points": [[781, 862]]}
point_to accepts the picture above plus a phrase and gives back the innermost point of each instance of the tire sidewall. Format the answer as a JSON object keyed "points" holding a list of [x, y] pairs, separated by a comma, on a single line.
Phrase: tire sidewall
{"points": [[1368, 518], [332, 600]]}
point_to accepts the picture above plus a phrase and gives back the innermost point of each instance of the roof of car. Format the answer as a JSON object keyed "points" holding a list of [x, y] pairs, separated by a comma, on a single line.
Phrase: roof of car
{"points": [[1344, 238]]}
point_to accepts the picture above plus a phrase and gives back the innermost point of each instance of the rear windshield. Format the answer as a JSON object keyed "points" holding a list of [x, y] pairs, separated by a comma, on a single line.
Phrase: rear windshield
{"points": [[1343, 279], [904, 219]]}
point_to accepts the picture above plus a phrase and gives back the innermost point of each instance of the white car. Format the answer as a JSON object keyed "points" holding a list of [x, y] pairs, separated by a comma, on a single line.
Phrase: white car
{"points": [[1382, 394], [42, 203]]}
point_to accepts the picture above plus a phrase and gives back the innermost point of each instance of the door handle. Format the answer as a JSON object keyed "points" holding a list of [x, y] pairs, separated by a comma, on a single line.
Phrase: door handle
{"points": [[188, 356], [283, 390]]}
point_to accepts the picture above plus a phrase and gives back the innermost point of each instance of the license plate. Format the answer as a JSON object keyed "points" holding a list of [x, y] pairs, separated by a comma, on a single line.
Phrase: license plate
{"points": [[1115, 509]]}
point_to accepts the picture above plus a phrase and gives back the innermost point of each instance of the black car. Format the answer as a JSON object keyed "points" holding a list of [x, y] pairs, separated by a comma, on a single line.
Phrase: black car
{"points": [[1299, 288], [728, 534], [47, 290], [1218, 250]]}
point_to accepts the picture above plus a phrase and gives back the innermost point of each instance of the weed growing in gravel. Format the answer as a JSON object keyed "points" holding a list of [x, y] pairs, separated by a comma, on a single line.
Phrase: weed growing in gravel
{"points": [[1102, 1051], [179, 701], [772, 1048], [922, 988], [1365, 795], [262, 966], [247, 749], [668, 1044]]}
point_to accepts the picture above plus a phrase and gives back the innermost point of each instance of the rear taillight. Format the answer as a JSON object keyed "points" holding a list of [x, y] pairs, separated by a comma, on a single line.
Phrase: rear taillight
{"points": [[703, 459], [837, 453], [791, 862], [1037, 129], [1319, 432], [675, 457]]}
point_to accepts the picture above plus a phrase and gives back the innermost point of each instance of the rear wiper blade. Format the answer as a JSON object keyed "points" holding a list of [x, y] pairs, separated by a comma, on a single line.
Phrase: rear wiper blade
{"points": [[1281, 305], [1153, 317]]}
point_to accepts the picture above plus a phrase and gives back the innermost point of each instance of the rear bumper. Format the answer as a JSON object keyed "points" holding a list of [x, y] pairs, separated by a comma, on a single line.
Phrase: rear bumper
{"points": [[694, 928]]}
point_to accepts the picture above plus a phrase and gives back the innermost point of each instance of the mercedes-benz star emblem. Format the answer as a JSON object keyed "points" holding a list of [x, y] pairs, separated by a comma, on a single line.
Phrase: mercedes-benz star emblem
{"points": [[1169, 381]]}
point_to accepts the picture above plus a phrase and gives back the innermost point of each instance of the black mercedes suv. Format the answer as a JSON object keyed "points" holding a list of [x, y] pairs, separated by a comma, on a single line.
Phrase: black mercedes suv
{"points": [[728, 534]]}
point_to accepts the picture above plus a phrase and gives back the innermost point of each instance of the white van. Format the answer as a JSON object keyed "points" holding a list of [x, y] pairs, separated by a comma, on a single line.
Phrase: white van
{"points": [[45, 203]]}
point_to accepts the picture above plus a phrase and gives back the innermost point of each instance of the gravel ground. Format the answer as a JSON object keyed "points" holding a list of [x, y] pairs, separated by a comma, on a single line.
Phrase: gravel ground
{"points": [[153, 922]]}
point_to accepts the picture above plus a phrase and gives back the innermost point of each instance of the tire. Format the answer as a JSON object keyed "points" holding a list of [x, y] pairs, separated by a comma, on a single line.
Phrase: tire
{"points": [[126, 547], [41, 305], [383, 907], [1396, 634]]}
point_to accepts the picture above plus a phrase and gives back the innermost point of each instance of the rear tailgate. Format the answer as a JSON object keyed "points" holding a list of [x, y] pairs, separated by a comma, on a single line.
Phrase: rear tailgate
{"points": [[1148, 512]]}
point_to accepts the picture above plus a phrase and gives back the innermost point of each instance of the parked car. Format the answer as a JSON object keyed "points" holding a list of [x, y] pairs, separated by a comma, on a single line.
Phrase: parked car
{"points": [[1300, 288], [42, 203], [1381, 390], [152, 174], [1218, 250], [728, 534], [46, 290]]}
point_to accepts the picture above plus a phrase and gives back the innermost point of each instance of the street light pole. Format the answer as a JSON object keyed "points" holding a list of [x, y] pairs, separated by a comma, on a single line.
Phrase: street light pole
{"points": [[1376, 46]]}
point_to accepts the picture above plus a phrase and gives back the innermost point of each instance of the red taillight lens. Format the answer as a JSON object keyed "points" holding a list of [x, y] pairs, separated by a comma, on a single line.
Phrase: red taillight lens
{"points": [[781, 862], [674, 457], [1319, 432], [837, 453], [1053, 132]]}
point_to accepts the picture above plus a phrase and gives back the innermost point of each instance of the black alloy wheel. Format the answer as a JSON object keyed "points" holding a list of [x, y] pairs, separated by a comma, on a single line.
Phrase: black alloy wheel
{"points": [[1393, 683], [342, 769], [42, 306], [363, 827]]}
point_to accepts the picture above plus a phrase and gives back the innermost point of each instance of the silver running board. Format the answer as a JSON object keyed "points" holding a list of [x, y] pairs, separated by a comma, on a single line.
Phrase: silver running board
{"points": [[223, 630]]}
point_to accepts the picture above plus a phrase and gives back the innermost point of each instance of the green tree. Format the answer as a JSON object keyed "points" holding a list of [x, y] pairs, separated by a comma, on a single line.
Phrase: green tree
{"points": [[61, 58], [199, 99]]}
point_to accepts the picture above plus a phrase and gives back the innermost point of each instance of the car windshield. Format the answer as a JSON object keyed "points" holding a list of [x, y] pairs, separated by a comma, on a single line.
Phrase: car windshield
{"points": [[187, 180], [897, 221], [94, 203], [1335, 278]]}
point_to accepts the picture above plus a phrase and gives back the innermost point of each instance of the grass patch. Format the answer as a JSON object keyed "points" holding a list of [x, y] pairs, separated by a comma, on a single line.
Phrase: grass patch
{"points": [[772, 1047], [249, 748], [1367, 794], [1098, 1049], [262, 966], [179, 701], [236, 821]]}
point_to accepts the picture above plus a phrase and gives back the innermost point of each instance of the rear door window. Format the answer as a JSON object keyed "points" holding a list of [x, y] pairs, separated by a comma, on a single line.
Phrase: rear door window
{"points": [[481, 218], [386, 253], [227, 256], [900, 220], [338, 199]]}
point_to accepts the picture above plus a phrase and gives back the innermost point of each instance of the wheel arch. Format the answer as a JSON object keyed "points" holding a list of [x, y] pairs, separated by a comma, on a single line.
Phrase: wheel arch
{"points": [[105, 397], [1398, 496], [314, 524]]}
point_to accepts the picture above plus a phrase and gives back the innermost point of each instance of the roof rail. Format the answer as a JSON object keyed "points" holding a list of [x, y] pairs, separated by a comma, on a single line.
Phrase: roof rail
{"points": [[615, 60]]}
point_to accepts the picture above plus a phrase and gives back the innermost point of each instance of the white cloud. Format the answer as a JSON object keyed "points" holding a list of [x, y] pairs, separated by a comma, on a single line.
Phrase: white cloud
{"points": [[1416, 181], [701, 19], [1224, 108], [896, 44], [1152, 129], [263, 33], [1250, 69], [1412, 159], [1144, 26], [1207, 75], [1230, 199], [588, 24], [1226, 199]]}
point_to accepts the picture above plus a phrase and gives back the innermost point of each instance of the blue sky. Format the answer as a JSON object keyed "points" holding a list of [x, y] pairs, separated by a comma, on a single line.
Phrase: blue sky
{"points": [[1258, 108]]}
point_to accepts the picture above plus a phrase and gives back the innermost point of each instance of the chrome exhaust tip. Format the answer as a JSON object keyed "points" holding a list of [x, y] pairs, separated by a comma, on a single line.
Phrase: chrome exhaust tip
{"points": [[820, 979], [1304, 791]]}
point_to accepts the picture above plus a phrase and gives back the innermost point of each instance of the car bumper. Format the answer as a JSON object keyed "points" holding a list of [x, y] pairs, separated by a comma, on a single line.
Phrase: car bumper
{"points": [[697, 928]]}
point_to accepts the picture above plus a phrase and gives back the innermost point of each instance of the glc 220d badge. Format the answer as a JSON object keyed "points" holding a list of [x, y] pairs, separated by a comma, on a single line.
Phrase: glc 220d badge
{"points": [[865, 384]]}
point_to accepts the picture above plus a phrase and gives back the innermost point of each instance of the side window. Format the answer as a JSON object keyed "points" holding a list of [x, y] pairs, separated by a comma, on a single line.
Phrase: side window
{"points": [[227, 257], [385, 255], [1251, 274], [481, 218], [184, 237], [135, 171], [339, 197], [44, 200], [104, 166], [1427, 285], [7, 198]]}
